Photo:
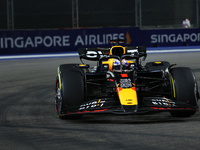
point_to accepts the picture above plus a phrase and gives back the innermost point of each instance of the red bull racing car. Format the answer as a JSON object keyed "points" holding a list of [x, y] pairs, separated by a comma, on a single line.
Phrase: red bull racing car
{"points": [[121, 84]]}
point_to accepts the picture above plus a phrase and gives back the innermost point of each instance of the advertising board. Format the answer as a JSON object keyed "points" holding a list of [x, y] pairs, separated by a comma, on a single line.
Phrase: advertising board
{"points": [[69, 40]]}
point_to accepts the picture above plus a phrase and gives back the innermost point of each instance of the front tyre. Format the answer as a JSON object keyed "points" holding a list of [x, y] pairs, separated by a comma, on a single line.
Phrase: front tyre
{"points": [[69, 90], [185, 90]]}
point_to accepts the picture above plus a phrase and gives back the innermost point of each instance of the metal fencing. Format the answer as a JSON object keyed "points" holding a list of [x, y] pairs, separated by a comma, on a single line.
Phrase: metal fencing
{"points": [[58, 14]]}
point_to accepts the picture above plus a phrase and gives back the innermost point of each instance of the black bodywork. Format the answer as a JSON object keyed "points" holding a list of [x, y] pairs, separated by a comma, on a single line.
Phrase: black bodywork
{"points": [[155, 84]]}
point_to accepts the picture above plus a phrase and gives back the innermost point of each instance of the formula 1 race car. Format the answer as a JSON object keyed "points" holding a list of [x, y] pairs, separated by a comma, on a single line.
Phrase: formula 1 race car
{"points": [[121, 84]]}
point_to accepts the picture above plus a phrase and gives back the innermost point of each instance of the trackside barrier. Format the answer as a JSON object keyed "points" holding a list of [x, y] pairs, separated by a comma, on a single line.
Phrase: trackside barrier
{"points": [[69, 40], [150, 50]]}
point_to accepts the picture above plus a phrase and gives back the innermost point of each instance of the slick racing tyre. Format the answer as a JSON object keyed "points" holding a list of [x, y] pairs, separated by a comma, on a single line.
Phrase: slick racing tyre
{"points": [[69, 90], [185, 90]]}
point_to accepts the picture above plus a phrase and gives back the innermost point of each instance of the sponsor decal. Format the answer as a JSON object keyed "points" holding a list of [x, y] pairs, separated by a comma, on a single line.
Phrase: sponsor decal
{"points": [[97, 39], [162, 102], [128, 39], [69, 40], [92, 104], [174, 38], [94, 54], [37, 41], [125, 83]]}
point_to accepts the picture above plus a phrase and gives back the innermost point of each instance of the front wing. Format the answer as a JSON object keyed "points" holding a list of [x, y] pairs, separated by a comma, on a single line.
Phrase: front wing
{"points": [[149, 104]]}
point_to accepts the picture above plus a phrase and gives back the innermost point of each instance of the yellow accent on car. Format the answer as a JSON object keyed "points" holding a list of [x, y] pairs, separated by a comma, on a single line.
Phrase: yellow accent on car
{"points": [[124, 51], [127, 96], [158, 62], [98, 102], [109, 63], [130, 61], [82, 65], [168, 101]]}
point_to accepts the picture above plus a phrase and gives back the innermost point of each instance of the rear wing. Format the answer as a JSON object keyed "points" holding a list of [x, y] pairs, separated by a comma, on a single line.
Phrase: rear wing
{"points": [[138, 49], [95, 54]]}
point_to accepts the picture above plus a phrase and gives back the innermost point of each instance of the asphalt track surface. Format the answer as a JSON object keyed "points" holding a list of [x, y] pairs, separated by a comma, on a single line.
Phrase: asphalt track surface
{"points": [[28, 120]]}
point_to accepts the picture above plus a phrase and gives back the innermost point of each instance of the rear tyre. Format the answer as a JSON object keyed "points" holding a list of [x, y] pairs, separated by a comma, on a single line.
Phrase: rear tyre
{"points": [[69, 91], [185, 90]]}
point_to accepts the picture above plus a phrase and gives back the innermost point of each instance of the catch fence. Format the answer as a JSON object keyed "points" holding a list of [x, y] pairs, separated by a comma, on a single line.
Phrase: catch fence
{"points": [[57, 14]]}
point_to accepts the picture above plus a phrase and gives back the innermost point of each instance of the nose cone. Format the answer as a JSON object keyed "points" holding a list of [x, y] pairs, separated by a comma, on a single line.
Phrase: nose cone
{"points": [[128, 99]]}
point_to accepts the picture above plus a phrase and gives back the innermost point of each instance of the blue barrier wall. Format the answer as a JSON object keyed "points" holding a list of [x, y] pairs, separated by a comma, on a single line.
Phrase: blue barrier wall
{"points": [[68, 40]]}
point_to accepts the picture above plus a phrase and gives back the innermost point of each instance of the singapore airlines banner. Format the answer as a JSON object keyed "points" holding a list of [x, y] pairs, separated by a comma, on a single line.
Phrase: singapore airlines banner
{"points": [[68, 40], [65, 40], [171, 37]]}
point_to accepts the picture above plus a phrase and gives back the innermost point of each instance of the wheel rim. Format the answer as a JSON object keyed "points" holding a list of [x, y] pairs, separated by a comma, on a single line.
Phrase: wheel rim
{"points": [[58, 98]]}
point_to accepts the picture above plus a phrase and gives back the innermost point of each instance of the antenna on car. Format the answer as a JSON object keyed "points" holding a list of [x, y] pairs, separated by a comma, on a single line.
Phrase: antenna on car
{"points": [[117, 41]]}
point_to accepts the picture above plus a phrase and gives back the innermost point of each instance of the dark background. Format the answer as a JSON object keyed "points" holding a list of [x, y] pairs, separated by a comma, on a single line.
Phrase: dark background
{"points": [[42, 14]]}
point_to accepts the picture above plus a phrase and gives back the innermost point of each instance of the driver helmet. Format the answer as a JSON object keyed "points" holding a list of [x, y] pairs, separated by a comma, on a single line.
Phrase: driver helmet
{"points": [[116, 64], [124, 62]]}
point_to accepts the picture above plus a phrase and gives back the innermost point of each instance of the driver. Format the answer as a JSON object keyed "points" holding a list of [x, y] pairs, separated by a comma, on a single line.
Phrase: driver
{"points": [[113, 63], [116, 64]]}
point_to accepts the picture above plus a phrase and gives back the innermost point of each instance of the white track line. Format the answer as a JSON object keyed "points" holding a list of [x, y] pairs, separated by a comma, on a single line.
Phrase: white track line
{"points": [[38, 56], [172, 51]]}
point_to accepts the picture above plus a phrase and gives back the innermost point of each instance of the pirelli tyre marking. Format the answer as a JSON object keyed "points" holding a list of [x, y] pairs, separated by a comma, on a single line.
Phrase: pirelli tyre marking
{"points": [[59, 78], [173, 86]]}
